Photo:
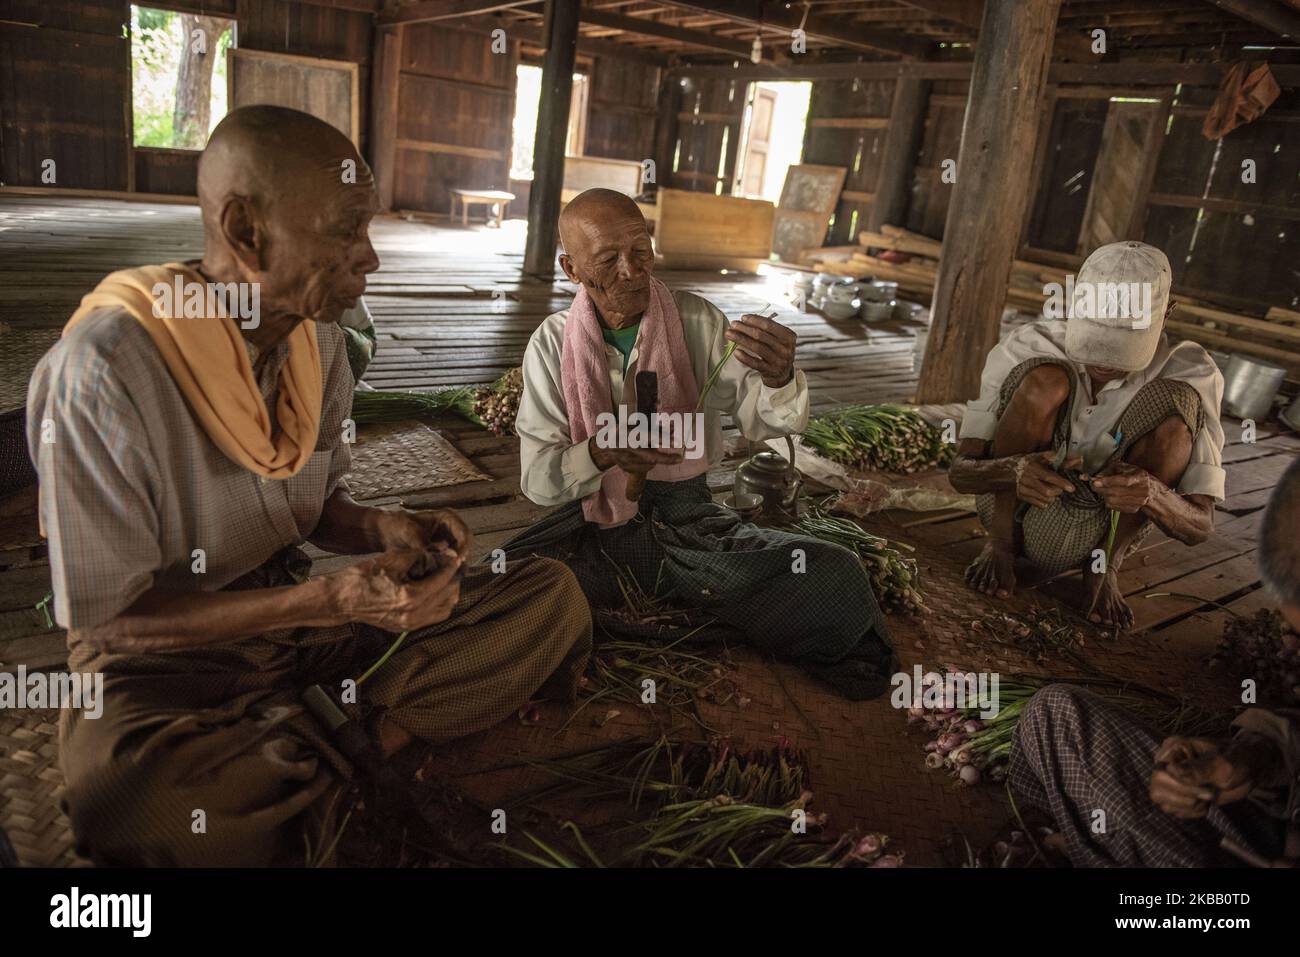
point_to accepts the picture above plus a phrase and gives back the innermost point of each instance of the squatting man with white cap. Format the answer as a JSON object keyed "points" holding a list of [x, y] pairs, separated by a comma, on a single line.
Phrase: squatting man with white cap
{"points": [[1083, 417]]}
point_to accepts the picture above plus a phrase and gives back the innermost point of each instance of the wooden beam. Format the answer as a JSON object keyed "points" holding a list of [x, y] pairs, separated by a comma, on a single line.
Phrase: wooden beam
{"points": [[668, 104], [902, 144], [1224, 205], [990, 196], [561, 32], [1271, 16], [967, 13], [354, 6], [839, 31], [813, 69], [530, 31], [453, 149], [387, 58], [1127, 75], [653, 28], [850, 122], [430, 10]]}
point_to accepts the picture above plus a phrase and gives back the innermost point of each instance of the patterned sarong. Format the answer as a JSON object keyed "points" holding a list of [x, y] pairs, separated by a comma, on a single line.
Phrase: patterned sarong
{"points": [[1075, 755], [1060, 536], [735, 579]]}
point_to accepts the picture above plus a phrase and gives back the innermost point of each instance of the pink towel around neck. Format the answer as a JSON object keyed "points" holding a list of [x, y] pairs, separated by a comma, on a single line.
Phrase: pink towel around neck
{"points": [[584, 377]]}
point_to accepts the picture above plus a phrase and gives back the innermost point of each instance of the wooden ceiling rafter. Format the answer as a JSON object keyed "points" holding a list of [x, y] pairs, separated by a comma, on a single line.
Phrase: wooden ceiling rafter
{"points": [[697, 31]]}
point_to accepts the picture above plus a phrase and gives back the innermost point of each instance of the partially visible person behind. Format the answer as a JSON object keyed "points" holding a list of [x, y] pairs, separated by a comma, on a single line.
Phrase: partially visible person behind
{"points": [[1176, 802]]}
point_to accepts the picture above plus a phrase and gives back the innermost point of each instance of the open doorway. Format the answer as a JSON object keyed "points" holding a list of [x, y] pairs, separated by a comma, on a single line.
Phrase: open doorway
{"points": [[528, 94], [771, 137]]}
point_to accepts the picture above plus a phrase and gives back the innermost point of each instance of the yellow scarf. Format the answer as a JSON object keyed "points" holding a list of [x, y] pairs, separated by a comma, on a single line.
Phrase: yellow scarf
{"points": [[209, 363]]}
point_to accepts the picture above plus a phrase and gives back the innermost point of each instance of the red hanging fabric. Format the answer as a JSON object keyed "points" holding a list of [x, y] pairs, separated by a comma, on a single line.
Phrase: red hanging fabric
{"points": [[1243, 95]]}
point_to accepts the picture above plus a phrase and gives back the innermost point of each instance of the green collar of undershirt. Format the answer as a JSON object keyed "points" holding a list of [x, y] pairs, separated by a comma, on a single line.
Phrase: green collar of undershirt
{"points": [[622, 339]]}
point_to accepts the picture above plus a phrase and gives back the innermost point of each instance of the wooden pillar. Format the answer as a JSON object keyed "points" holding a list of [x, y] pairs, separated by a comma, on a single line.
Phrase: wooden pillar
{"points": [[902, 143], [990, 196], [385, 77], [665, 142], [561, 37]]}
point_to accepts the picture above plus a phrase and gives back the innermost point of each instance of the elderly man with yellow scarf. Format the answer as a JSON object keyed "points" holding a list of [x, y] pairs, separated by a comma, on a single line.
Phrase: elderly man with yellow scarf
{"points": [[183, 459]]}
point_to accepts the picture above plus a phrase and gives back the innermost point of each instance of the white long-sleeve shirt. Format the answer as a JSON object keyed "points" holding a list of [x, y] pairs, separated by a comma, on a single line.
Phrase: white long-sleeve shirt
{"points": [[554, 470], [1095, 416]]}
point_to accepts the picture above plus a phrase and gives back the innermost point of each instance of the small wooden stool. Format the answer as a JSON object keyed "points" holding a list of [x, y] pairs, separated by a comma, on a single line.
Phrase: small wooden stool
{"points": [[486, 197]]}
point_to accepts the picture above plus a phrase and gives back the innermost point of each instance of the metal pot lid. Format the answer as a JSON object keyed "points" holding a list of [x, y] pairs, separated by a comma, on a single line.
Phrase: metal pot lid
{"points": [[771, 462]]}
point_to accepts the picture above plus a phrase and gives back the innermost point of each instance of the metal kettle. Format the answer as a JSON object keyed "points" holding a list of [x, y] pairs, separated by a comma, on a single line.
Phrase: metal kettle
{"points": [[772, 478]]}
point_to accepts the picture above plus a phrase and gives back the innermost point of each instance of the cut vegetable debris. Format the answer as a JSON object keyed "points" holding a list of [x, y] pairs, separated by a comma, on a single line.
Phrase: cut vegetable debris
{"points": [[712, 807], [1264, 648], [895, 578]]}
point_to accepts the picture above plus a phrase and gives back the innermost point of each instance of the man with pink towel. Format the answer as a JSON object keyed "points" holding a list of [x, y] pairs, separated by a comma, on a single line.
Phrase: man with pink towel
{"points": [[795, 597]]}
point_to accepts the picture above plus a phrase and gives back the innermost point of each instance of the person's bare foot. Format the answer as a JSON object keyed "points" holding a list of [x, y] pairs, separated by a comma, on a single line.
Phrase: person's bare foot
{"points": [[994, 572], [1101, 593]]}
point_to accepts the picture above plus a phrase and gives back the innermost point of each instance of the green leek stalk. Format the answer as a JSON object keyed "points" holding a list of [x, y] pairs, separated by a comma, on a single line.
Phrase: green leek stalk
{"points": [[713, 375]]}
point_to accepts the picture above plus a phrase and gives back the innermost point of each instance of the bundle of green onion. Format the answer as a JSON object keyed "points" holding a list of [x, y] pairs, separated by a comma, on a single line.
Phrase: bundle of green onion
{"points": [[895, 579], [378, 406], [883, 438]]}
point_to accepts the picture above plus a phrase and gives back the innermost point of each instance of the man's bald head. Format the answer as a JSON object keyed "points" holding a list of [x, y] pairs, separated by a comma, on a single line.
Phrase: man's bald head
{"points": [[1279, 543], [270, 152], [287, 203], [593, 211], [607, 249]]}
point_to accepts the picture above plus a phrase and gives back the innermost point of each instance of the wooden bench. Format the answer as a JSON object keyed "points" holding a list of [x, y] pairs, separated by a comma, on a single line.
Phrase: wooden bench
{"points": [[480, 197]]}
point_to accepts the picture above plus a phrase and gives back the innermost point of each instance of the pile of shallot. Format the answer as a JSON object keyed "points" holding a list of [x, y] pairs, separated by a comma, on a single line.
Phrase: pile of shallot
{"points": [[965, 743]]}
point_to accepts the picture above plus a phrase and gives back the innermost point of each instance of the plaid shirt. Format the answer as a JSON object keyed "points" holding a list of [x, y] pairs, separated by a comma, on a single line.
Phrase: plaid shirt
{"points": [[131, 485]]}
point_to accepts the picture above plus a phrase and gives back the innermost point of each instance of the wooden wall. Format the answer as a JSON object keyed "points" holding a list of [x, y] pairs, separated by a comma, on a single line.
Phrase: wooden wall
{"points": [[1245, 244], [621, 109], [929, 195], [847, 124], [1066, 179], [708, 118], [64, 94], [1229, 241], [445, 115], [65, 84]]}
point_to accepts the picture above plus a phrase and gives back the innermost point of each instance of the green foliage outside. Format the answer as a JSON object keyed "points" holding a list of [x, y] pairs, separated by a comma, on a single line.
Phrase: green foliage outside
{"points": [[156, 50]]}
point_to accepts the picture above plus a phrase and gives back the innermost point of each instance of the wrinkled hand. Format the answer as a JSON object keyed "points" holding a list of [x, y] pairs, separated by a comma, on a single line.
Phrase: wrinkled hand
{"points": [[1192, 774], [1038, 483], [766, 345], [425, 529], [632, 461], [1127, 488], [379, 591]]}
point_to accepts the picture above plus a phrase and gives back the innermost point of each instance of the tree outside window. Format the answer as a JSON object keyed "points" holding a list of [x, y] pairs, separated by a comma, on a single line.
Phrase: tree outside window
{"points": [[178, 76]]}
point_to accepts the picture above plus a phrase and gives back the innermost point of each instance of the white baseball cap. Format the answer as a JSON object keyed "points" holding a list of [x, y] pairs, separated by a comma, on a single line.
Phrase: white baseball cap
{"points": [[1117, 311]]}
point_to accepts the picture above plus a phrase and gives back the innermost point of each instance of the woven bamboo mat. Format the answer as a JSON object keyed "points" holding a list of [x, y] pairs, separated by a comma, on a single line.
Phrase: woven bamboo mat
{"points": [[20, 350], [31, 787], [395, 457]]}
